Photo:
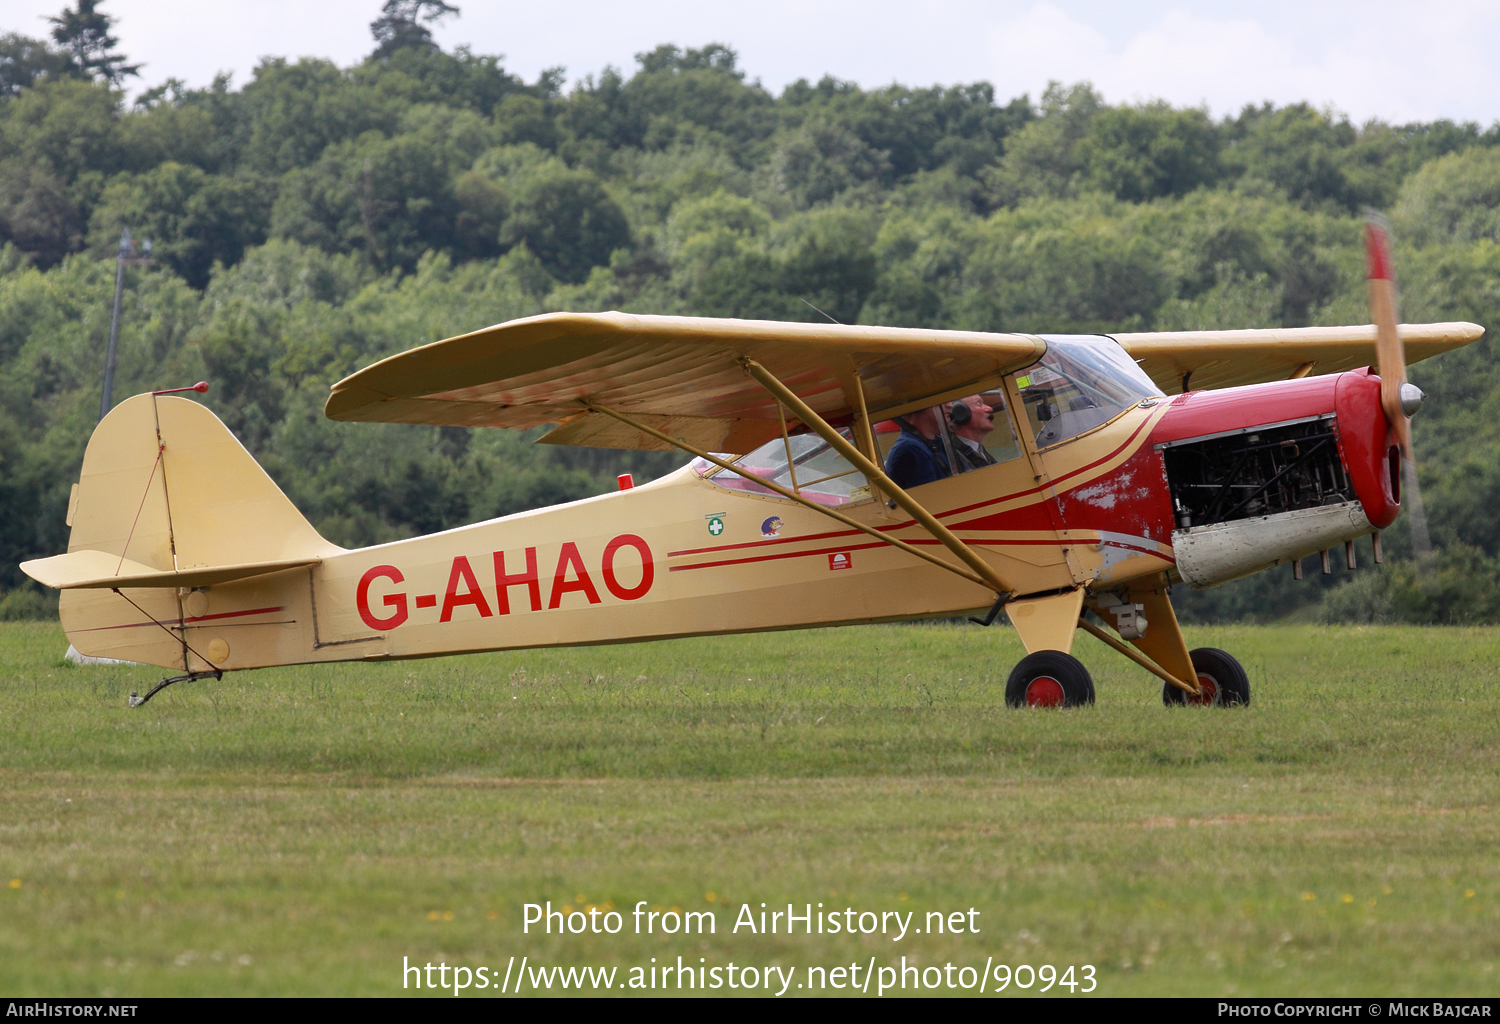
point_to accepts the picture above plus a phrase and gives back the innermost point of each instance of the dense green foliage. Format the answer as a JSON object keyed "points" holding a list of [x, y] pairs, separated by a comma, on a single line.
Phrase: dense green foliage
{"points": [[319, 217]]}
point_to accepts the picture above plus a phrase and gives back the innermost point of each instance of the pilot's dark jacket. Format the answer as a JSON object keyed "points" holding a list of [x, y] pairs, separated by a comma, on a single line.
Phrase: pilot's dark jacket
{"points": [[915, 460]]}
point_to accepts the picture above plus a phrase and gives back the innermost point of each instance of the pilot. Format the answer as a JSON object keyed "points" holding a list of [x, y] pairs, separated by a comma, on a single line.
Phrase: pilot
{"points": [[917, 457], [972, 419]]}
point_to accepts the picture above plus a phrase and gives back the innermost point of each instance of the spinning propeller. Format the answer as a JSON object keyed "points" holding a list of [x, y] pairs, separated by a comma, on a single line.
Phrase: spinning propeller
{"points": [[1399, 397]]}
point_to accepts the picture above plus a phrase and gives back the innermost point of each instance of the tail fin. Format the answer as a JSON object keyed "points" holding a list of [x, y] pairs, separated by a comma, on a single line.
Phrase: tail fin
{"points": [[169, 498], [170, 503]]}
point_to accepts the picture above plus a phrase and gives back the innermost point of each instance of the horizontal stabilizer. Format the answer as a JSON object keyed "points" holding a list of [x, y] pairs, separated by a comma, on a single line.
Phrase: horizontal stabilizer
{"points": [[100, 570]]}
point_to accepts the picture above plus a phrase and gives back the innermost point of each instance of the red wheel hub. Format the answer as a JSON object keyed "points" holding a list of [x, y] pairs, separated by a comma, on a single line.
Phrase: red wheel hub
{"points": [[1044, 692], [1208, 691]]}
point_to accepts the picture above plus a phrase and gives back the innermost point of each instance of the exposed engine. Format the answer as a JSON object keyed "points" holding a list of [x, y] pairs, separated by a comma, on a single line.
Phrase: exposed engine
{"points": [[1271, 473], [1256, 471]]}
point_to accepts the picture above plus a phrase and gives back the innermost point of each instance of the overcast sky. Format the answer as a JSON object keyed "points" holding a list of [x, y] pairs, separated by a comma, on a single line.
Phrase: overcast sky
{"points": [[1394, 60]]}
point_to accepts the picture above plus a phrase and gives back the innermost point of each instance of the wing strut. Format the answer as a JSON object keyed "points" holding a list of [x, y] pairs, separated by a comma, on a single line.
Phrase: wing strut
{"points": [[799, 499], [877, 476]]}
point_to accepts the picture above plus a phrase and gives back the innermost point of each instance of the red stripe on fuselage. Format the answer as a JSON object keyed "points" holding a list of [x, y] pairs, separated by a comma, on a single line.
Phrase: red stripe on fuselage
{"points": [[1031, 517], [187, 622], [873, 544]]}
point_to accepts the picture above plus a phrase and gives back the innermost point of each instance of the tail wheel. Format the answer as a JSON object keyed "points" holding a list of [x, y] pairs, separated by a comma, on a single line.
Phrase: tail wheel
{"points": [[1221, 679], [1049, 679]]}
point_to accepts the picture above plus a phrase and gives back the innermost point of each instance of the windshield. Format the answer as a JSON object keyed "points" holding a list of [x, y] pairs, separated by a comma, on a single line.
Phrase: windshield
{"points": [[815, 470], [1082, 382]]}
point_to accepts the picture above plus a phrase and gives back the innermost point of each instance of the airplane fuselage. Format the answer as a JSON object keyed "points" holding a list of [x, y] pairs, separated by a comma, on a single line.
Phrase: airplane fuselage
{"points": [[1112, 509]]}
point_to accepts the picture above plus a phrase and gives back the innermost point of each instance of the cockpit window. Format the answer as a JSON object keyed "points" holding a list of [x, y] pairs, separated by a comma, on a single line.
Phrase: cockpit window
{"points": [[998, 440], [1082, 382], [815, 471]]}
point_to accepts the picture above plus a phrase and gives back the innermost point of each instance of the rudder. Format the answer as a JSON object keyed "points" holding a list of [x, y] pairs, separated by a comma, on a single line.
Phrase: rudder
{"points": [[164, 483]]}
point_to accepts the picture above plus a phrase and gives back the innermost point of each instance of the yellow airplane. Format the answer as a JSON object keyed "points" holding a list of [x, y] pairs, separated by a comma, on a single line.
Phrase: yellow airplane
{"points": [[1074, 474]]}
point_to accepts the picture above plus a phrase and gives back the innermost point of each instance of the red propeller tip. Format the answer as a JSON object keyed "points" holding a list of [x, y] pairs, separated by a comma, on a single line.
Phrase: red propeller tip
{"points": [[1377, 253]]}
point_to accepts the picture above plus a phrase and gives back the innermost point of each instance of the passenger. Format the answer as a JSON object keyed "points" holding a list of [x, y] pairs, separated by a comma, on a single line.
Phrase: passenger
{"points": [[917, 457], [972, 420]]}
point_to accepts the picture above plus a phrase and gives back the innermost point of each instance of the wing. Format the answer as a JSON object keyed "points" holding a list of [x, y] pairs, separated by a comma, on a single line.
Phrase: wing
{"points": [[1183, 360], [681, 375]]}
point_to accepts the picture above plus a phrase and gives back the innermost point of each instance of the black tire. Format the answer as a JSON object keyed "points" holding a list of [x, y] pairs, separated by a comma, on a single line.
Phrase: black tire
{"points": [[1049, 679], [1221, 678]]}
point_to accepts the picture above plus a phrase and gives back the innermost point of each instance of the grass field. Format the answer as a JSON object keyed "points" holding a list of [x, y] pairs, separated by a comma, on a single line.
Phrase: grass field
{"points": [[300, 831]]}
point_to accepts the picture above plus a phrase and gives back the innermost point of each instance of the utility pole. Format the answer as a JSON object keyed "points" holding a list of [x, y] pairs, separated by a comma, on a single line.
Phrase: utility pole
{"points": [[127, 255]]}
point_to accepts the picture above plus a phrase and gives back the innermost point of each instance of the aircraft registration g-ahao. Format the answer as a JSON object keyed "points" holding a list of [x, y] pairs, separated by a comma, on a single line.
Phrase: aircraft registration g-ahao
{"points": [[1122, 465]]}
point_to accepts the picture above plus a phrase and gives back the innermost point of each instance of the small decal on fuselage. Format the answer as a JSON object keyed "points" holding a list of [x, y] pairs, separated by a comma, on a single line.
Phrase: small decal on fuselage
{"points": [[839, 560], [771, 527]]}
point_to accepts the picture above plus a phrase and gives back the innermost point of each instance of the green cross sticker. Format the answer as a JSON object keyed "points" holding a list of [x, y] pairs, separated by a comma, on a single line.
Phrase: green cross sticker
{"points": [[716, 526]]}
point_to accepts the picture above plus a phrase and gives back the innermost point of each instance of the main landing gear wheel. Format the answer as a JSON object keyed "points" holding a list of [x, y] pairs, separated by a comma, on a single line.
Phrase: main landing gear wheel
{"points": [[1220, 677], [1049, 679]]}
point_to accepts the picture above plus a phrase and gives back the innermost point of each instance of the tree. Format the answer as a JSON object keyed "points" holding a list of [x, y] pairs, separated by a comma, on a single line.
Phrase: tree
{"points": [[681, 94], [391, 198], [24, 60], [526, 119], [832, 267], [68, 126], [36, 214], [194, 219], [397, 27], [918, 129], [1300, 151], [1146, 152], [292, 112], [821, 160], [748, 287], [482, 208], [1041, 159], [84, 34], [568, 220], [1452, 199]]}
